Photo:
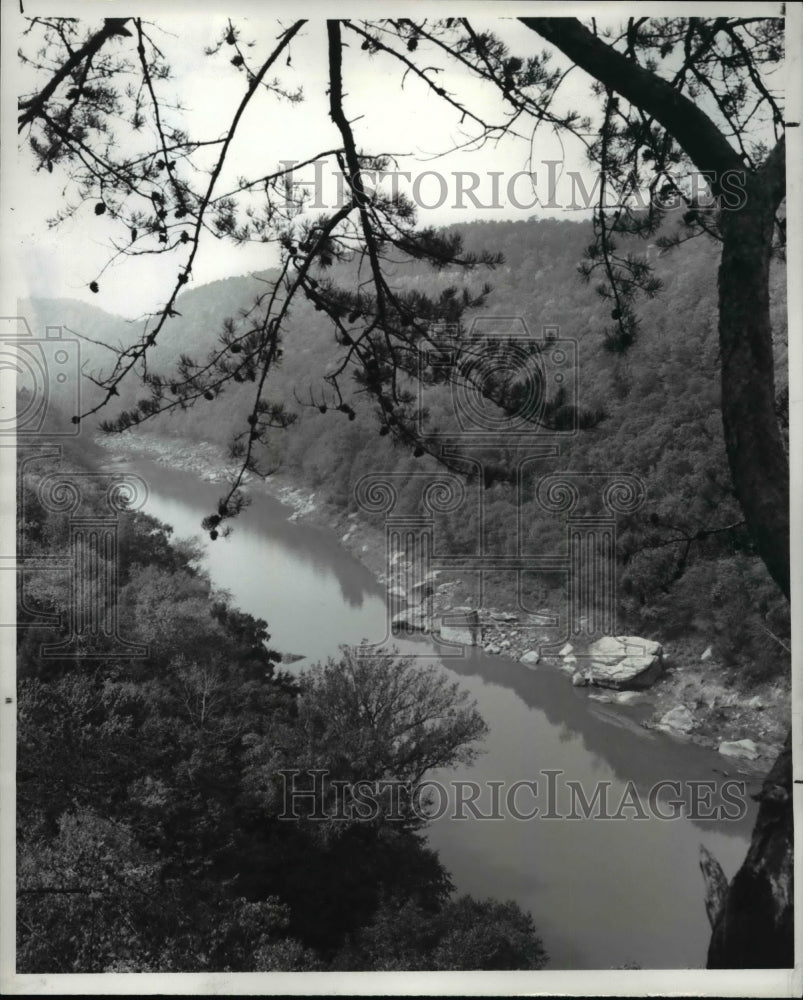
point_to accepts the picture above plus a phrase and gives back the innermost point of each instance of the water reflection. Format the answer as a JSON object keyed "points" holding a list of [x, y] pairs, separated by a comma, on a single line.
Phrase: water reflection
{"points": [[602, 892], [313, 594], [629, 752]]}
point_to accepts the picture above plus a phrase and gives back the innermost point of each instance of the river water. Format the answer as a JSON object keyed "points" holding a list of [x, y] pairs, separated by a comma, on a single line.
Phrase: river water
{"points": [[603, 892]]}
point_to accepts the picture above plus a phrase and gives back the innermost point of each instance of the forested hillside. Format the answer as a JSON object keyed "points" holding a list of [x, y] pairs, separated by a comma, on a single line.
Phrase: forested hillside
{"points": [[154, 829], [686, 565]]}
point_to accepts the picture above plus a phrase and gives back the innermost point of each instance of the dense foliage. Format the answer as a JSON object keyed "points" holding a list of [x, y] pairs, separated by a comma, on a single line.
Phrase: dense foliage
{"points": [[686, 562], [151, 791]]}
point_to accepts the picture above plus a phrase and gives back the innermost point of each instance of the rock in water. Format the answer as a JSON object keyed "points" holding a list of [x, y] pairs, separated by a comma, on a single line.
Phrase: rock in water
{"points": [[625, 661], [530, 658], [455, 633], [462, 626], [678, 719], [411, 620], [739, 748], [419, 592], [628, 698]]}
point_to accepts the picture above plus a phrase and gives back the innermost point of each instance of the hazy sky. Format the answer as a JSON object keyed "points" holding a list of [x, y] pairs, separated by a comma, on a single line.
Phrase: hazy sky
{"points": [[410, 121]]}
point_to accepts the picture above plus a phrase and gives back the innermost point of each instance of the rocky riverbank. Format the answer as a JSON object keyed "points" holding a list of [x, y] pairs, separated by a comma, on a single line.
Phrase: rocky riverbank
{"points": [[685, 691]]}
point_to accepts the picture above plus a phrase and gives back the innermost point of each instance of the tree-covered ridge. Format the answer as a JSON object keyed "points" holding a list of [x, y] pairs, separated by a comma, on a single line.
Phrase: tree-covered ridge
{"points": [[151, 797], [686, 562]]}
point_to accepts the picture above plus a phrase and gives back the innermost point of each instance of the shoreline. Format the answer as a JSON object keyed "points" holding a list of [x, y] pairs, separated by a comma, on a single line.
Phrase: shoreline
{"points": [[697, 691]]}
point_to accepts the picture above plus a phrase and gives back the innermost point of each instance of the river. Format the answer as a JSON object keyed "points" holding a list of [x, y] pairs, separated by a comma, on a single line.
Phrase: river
{"points": [[602, 892]]}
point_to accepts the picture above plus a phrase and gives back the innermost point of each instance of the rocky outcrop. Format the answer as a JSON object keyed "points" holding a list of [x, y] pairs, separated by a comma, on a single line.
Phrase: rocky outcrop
{"points": [[626, 661], [716, 885]]}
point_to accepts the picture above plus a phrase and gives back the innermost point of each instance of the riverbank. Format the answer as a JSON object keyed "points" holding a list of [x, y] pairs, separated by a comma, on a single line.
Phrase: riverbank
{"points": [[696, 698]]}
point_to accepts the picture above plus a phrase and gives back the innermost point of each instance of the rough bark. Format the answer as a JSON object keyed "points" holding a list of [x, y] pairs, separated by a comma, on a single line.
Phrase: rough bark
{"points": [[755, 926], [716, 885], [756, 454]]}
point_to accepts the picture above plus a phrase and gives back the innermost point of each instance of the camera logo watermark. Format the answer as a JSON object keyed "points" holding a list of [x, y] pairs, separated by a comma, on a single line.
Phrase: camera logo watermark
{"points": [[40, 377], [36, 371]]}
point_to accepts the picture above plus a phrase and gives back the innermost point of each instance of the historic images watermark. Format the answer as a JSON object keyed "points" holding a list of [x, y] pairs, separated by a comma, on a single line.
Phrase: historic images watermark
{"points": [[43, 373], [315, 795], [538, 377], [547, 186]]}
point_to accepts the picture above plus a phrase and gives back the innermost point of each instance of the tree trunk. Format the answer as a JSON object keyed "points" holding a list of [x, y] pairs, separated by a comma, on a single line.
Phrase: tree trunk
{"points": [[755, 926], [756, 453]]}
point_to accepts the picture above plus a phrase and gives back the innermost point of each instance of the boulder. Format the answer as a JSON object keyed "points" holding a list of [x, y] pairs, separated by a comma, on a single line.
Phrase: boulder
{"points": [[493, 649], [625, 661], [420, 591], [462, 626], [579, 679], [678, 719], [707, 654], [411, 619], [530, 658], [755, 702], [567, 650], [745, 749], [456, 633]]}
